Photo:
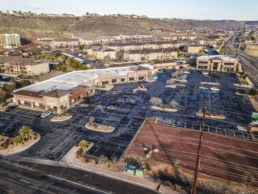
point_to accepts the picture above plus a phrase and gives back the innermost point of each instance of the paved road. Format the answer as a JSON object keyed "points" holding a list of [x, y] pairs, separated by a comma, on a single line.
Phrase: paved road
{"points": [[249, 63], [55, 179]]}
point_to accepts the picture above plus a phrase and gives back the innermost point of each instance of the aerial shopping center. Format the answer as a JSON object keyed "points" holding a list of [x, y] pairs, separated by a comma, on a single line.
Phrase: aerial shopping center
{"points": [[60, 92]]}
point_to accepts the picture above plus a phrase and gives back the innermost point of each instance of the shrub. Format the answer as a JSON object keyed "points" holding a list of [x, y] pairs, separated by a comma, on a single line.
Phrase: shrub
{"points": [[148, 166], [83, 144], [105, 159], [18, 139], [168, 183], [5, 145], [241, 91], [79, 153], [245, 82], [253, 92]]}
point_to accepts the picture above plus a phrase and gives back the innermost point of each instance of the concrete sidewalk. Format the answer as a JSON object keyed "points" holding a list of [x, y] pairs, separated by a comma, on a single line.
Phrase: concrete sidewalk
{"points": [[70, 160]]}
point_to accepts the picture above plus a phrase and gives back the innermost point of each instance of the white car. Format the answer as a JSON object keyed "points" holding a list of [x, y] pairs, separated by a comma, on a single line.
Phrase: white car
{"points": [[205, 73], [186, 72], [215, 89], [46, 114], [154, 77]]}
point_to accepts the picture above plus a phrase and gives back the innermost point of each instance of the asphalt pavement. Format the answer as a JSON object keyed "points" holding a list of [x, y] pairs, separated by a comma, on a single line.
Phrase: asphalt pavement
{"points": [[26, 177]]}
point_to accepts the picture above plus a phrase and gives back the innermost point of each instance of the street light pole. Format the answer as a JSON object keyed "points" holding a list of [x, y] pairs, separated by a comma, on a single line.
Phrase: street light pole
{"points": [[199, 154]]}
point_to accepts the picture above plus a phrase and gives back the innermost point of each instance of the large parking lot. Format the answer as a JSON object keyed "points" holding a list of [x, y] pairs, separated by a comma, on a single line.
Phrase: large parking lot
{"points": [[58, 138]]}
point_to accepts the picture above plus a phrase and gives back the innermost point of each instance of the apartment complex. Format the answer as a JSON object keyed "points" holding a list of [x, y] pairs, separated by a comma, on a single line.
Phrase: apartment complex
{"points": [[10, 40], [150, 54], [64, 42], [217, 63], [194, 49], [23, 66], [118, 46], [60, 92], [100, 52]]}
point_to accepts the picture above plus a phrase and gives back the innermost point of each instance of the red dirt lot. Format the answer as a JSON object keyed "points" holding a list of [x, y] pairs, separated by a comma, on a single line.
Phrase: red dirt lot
{"points": [[221, 156]]}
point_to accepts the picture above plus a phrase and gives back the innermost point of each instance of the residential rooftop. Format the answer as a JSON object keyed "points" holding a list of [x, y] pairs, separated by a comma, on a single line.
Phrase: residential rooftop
{"points": [[145, 51], [13, 60]]}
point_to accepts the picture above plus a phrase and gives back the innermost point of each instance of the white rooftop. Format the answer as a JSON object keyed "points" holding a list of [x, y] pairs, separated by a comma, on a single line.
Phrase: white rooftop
{"points": [[70, 80], [222, 57]]}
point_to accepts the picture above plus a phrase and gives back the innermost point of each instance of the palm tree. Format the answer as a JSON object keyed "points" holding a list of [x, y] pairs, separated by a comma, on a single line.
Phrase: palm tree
{"points": [[25, 132]]}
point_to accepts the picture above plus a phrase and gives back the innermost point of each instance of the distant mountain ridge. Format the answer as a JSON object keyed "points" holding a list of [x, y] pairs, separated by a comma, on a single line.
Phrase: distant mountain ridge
{"points": [[56, 26]]}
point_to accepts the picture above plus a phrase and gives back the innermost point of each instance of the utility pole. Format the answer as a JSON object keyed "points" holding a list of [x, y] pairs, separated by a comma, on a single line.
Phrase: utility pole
{"points": [[199, 154]]}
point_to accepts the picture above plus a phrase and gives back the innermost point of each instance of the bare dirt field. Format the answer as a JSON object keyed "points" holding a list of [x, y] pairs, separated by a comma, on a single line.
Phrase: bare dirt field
{"points": [[253, 52], [221, 156]]}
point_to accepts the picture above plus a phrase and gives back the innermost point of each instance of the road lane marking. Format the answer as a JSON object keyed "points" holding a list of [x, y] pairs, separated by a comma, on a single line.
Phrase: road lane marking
{"points": [[88, 187]]}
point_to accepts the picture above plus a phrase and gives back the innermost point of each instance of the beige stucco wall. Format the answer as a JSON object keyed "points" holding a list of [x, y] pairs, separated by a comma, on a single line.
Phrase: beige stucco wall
{"points": [[39, 69]]}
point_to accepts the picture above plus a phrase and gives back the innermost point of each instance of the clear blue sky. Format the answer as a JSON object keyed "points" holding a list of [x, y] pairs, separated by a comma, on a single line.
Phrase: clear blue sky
{"points": [[190, 9]]}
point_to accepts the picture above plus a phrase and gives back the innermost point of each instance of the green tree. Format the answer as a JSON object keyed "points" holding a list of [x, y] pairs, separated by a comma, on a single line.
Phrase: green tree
{"points": [[24, 83], [8, 88], [25, 132], [81, 46], [253, 92], [18, 139], [58, 54], [222, 52], [201, 53], [83, 144]]}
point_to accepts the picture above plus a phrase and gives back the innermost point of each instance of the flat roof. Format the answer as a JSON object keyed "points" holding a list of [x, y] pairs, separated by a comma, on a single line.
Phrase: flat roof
{"points": [[8, 75], [73, 79], [222, 57]]}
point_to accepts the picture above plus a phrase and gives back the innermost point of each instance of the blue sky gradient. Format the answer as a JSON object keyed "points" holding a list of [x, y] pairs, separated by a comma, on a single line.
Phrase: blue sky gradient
{"points": [[185, 9]]}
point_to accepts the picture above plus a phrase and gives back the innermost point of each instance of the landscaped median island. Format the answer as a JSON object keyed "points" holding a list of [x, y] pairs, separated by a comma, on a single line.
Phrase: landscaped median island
{"points": [[210, 83], [61, 117], [80, 152], [252, 94], [243, 76], [163, 108], [91, 125], [210, 115], [23, 141], [140, 88], [158, 105], [175, 85]]}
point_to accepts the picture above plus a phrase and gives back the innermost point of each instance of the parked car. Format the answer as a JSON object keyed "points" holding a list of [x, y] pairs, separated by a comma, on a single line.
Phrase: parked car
{"points": [[11, 107], [127, 91], [111, 107], [205, 73], [214, 89], [9, 130], [154, 77], [115, 103], [130, 101], [255, 121], [89, 100], [46, 114]]}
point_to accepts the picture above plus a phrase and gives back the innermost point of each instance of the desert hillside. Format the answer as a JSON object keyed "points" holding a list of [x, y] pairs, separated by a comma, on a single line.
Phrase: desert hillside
{"points": [[39, 26]]}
